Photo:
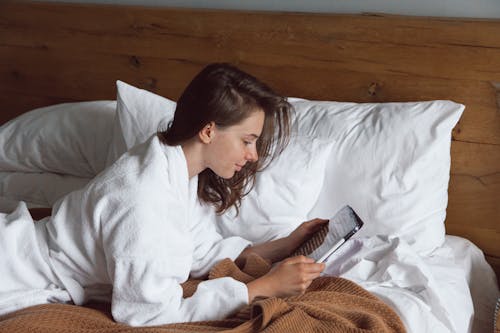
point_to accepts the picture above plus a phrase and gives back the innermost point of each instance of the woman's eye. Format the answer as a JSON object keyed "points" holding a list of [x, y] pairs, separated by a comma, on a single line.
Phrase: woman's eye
{"points": [[248, 143]]}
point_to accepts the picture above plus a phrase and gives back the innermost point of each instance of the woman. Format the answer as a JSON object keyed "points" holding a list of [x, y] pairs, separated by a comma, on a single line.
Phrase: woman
{"points": [[136, 232]]}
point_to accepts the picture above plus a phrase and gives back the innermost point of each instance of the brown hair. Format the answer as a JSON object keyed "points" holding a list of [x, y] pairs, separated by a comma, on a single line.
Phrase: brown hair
{"points": [[226, 95]]}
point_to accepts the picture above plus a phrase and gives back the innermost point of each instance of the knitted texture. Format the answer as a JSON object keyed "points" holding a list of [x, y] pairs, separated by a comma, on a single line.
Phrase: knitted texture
{"points": [[330, 305]]}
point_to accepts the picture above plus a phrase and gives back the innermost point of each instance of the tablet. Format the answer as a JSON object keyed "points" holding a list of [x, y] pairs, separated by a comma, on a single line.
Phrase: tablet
{"points": [[342, 226]]}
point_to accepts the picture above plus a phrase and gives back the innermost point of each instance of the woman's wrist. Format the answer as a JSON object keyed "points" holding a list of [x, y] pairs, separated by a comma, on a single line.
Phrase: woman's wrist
{"points": [[294, 241], [258, 288], [274, 251]]}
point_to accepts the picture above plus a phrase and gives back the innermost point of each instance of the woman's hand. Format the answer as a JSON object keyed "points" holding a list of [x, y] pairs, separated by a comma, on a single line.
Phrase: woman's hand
{"points": [[289, 278], [282, 248], [304, 232]]}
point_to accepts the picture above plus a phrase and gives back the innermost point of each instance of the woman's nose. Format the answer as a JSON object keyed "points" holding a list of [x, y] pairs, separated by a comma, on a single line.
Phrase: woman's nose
{"points": [[252, 155]]}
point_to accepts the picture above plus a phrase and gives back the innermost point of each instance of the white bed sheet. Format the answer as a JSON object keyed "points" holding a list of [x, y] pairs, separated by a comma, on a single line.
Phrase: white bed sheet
{"points": [[481, 279], [452, 290]]}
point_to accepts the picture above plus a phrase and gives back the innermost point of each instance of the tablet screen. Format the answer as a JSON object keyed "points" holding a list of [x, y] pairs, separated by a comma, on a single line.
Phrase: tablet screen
{"points": [[341, 227]]}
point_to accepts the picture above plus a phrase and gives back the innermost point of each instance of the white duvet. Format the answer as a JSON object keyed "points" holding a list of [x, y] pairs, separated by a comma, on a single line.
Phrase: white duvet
{"points": [[430, 294]]}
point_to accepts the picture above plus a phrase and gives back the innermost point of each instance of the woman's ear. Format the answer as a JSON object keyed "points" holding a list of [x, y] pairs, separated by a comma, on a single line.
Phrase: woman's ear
{"points": [[207, 133]]}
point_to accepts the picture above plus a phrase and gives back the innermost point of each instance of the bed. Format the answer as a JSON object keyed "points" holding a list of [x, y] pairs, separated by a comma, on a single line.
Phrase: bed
{"points": [[55, 53]]}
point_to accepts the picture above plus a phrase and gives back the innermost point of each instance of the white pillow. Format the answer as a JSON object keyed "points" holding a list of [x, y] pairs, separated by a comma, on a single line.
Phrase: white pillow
{"points": [[69, 138], [391, 163], [283, 194], [42, 189], [139, 114]]}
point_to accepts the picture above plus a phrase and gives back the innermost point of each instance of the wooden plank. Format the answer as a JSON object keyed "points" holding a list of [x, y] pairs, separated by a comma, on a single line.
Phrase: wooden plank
{"points": [[392, 43], [478, 160], [14, 104], [473, 201], [376, 56], [452, 31], [474, 194], [80, 79], [473, 211]]}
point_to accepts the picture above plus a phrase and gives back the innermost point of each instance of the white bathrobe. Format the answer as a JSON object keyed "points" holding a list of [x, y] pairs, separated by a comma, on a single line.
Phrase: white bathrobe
{"points": [[133, 234]]}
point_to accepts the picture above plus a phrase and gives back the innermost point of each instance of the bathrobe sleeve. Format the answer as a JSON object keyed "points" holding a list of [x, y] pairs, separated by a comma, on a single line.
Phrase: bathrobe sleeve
{"points": [[209, 246], [149, 260], [145, 293]]}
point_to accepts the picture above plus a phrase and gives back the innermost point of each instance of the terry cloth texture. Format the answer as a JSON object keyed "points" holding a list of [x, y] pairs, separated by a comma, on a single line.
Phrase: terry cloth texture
{"points": [[330, 305]]}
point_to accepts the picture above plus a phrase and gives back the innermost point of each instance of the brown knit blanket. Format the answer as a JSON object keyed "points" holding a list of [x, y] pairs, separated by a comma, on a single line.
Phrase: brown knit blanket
{"points": [[329, 305]]}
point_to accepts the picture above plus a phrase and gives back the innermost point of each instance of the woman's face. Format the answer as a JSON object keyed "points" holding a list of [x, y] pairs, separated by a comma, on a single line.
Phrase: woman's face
{"points": [[233, 146]]}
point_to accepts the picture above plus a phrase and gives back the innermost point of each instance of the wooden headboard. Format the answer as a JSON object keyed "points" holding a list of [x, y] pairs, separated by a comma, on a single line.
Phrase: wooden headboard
{"points": [[53, 52]]}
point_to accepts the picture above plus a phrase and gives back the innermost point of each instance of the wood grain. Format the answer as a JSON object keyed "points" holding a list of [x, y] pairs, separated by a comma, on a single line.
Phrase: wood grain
{"points": [[53, 52]]}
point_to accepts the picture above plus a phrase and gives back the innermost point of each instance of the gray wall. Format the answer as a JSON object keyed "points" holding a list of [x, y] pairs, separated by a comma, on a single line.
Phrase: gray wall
{"points": [[451, 8]]}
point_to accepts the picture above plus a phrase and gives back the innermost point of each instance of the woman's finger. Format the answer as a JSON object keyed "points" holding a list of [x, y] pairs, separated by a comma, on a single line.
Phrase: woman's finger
{"points": [[315, 224], [298, 260], [318, 221], [314, 268], [310, 267]]}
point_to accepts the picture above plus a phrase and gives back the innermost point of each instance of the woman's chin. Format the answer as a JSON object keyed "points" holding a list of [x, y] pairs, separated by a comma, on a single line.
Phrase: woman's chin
{"points": [[226, 174]]}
